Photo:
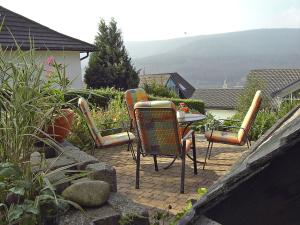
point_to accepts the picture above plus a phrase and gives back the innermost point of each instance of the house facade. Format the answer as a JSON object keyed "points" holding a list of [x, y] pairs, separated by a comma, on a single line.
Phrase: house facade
{"points": [[173, 81], [20, 31], [219, 102]]}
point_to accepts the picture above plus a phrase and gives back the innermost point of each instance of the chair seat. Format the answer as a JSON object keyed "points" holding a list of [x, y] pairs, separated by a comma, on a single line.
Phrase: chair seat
{"points": [[223, 137], [116, 139]]}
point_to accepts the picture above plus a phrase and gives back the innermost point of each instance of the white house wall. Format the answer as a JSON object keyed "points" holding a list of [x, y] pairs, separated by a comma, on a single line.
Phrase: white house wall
{"points": [[71, 59], [221, 113]]}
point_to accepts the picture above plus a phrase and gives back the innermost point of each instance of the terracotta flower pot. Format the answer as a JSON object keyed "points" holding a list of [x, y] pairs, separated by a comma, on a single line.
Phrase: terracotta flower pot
{"points": [[61, 126]]}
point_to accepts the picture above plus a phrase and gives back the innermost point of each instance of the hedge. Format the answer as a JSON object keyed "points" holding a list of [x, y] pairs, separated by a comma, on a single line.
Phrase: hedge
{"points": [[191, 103], [101, 98], [97, 97]]}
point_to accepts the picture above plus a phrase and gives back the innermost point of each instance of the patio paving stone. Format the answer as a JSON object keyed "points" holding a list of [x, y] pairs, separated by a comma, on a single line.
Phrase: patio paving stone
{"points": [[160, 189]]}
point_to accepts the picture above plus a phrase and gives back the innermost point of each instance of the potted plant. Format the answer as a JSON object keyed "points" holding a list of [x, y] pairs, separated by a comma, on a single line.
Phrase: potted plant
{"points": [[61, 125], [61, 121]]}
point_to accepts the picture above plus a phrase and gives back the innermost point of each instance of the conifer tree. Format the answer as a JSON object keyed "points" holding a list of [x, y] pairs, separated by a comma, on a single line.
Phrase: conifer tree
{"points": [[110, 66]]}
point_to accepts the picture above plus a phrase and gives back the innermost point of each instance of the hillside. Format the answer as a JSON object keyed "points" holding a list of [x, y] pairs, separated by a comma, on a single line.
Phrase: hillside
{"points": [[210, 59]]}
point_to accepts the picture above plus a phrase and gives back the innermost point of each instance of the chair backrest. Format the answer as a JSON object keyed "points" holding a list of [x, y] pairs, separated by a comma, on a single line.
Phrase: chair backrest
{"points": [[157, 127], [133, 96], [250, 117], [85, 109]]}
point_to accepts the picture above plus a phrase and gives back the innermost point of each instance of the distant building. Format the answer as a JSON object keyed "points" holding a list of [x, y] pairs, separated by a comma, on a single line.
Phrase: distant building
{"points": [[173, 81], [27, 33], [220, 102], [277, 84]]}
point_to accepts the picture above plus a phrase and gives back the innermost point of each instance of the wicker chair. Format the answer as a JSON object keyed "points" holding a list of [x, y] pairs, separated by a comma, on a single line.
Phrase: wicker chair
{"points": [[125, 137], [240, 136], [157, 129]]}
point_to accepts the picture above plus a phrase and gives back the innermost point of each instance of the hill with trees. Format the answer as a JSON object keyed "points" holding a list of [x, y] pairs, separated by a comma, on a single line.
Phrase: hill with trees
{"points": [[208, 60]]}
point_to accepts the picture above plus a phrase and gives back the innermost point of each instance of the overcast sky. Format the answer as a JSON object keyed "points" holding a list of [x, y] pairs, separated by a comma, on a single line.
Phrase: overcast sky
{"points": [[142, 20]]}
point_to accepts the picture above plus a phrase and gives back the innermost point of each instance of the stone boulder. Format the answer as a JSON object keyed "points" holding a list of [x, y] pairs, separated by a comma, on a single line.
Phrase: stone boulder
{"points": [[88, 193], [105, 172]]}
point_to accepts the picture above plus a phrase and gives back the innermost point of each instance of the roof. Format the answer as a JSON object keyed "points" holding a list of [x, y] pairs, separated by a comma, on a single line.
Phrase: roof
{"points": [[160, 79], [288, 89], [257, 166], [274, 80], [183, 85], [17, 28], [219, 98]]}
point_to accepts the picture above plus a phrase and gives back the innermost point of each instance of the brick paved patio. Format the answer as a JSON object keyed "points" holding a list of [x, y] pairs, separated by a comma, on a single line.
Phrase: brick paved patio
{"points": [[160, 189]]}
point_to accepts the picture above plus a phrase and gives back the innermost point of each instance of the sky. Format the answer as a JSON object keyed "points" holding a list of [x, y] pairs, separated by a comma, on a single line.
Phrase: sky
{"points": [[144, 20]]}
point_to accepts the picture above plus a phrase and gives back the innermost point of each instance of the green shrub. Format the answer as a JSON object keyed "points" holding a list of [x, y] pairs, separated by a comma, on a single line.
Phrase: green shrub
{"points": [[193, 104], [159, 90], [96, 97], [265, 119]]}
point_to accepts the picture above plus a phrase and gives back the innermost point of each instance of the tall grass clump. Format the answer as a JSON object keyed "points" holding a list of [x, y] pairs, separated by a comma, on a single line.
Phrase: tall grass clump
{"points": [[26, 104]]}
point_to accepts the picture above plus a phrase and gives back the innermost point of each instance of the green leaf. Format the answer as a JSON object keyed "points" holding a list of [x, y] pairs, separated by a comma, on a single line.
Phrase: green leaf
{"points": [[44, 197], [2, 185], [18, 190], [201, 191], [14, 213], [9, 172], [31, 209]]}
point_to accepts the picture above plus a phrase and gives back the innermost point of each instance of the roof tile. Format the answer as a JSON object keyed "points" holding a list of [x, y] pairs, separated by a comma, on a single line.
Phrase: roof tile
{"points": [[219, 98], [21, 29]]}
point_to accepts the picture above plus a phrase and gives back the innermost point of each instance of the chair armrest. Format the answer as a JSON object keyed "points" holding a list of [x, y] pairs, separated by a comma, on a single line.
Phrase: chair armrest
{"points": [[187, 135]]}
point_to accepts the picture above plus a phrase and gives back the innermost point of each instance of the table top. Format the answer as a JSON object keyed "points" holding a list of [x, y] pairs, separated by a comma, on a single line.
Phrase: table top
{"points": [[189, 117]]}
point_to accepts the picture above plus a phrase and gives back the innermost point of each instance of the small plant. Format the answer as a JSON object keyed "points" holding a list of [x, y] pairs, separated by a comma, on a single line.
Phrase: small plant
{"points": [[161, 218], [201, 192], [26, 198]]}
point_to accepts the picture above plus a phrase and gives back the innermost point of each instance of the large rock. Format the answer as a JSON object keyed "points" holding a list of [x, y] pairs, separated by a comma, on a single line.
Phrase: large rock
{"points": [[89, 193], [82, 158], [60, 161], [105, 172]]}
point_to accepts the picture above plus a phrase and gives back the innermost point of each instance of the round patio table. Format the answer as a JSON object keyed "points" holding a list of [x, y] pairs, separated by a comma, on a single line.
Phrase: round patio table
{"points": [[187, 119]]}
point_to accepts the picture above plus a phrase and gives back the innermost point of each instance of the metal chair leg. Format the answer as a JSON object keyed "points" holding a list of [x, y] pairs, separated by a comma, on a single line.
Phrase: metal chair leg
{"points": [[206, 154], [194, 154], [128, 146], [210, 150], [168, 166], [137, 177], [183, 153], [155, 162], [132, 151]]}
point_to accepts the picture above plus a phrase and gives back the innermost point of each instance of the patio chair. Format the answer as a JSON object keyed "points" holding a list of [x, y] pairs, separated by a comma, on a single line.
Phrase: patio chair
{"points": [[240, 136], [157, 129], [101, 142], [133, 96]]}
